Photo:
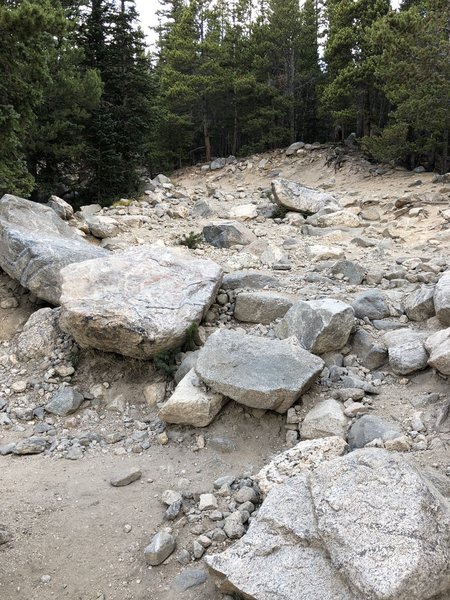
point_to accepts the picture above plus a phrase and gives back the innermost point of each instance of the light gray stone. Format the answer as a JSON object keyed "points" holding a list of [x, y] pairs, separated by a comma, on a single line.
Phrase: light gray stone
{"points": [[225, 234], [191, 403], [102, 227], [188, 363], [438, 345], [320, 325], [301, 198], [419, 306], [61, 208], [161, 547], [31, 445], [261, 307], [371, 304], [371, 353], [369, 428], [39, 335], [255, 371], [35, 244], [407, 353], [125, 478], [65, 402], [234, 527], [442, 298], [249, 280], [352, 271], [326, 419], [294, 147], [140, 302]]}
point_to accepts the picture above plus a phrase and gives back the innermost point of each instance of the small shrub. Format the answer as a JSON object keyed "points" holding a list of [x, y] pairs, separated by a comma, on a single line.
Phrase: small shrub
{"points": [[279, 212], [192, 240]]}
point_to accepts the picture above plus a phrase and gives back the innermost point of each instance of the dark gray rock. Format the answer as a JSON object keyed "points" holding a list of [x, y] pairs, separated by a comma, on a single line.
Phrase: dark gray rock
{"points": [[352, 271], [225, 234], [369, 428], [190, 578], [371, 304], [35, 244], [5, 535], [126, 478], [31, 445], [65, 402], [370, 352]]}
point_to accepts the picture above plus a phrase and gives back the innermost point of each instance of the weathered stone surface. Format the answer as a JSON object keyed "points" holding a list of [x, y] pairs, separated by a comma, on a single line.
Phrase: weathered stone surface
{"points": [[369, 428], [294, 147], [370, 352], [65, 402], [5, 535], [138, 303], [161, 547], [364, 526], [343, 218], [442, 298], [351, 271], [248, 280], [324, 420], [385, 528], [39, 335], [320, 325], [261, 307], [406, 351], [102, 227], [301, 198], [126, 478], [255, 371], [188, 363], [419, 306], [31, 445], [191, 403], [319, 252], [244, 212], [371, 304], [35, 244], [438, 345], [225, 234], [190, 578], [306, 455], [61, 208]]}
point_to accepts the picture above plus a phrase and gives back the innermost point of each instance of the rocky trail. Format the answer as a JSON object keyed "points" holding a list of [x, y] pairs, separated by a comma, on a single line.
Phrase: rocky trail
{"points": [[233, 387]]}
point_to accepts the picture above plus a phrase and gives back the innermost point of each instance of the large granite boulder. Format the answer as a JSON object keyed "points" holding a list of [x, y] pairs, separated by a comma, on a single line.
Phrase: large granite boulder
{"points": [[406, 350], [225, 234], [301, 198], [35, 244], [320, 325], [140, 302], [256, 371], [367, 525]]}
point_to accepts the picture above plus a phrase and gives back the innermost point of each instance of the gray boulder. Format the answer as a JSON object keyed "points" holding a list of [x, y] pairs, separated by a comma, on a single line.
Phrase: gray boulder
{"points": [[65, 402], [364, 526], [256, 371], [247, 279], [261, 307], [351, 271], [102, 227], [406, 351], [31, 445], [370, 352], [140, 302], [161, 547], [225, 234], [35, 244], [371, 304], [419, 306], [369, 428], [320, 325], [301, 198], [61, 208], [442, 298], [39, 335], [325, 419], [294, 147], [438, 345]]}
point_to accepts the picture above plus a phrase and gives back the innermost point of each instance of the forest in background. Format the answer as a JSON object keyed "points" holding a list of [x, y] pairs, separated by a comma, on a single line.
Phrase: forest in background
{"points": [[85, 106]]}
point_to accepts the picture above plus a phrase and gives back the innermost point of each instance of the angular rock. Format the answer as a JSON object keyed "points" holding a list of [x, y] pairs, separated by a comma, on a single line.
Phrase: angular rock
{"points": [[102, 227], [369, 428], [255, 371], [61, 208], [442, 298], [318, 253], [190, 578], [419, 306], [343, 218], [233, 527], [39, 335], [5, 535], [306, 455], [370, 352], [225, 234], [326, 419], [244, 212], [65, 402], [320, 325], [438, 345], [352, 271], [125, 478], [188, 363], [261, 307], [31, 445], [35, 244], [364, 526], [406, 351], [140, 302], [294, 147], [191, 403], [371, 304], [161, 547], [249, 280], [301, 198]]}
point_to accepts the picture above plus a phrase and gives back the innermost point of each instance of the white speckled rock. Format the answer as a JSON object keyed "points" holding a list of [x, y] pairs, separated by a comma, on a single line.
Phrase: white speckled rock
{"points": [[301, 198]]}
